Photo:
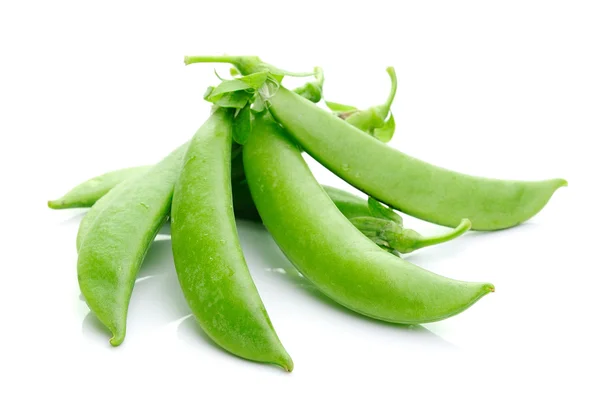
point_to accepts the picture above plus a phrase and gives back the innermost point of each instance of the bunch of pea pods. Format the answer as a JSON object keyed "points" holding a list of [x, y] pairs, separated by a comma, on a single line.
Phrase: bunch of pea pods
{"points": [[246, 162]]}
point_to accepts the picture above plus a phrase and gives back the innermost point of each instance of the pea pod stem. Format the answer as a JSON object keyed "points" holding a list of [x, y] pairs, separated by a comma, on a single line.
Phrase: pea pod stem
{"points": [[313, 91], [460, 230], [245, 64], [376, 121], [392, 94], [407, 240], [382, 110]]}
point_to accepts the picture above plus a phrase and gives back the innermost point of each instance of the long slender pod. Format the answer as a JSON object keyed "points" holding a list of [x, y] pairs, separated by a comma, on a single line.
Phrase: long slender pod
{"points": [[329, 251], [407, 184], [210, 265], [115, 243]]}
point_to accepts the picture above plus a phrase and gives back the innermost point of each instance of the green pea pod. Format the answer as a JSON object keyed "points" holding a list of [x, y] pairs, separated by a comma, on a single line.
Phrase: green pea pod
{"points": [[208, 257], [117, 239], [329, 251], [405, 183], [88, 192]]}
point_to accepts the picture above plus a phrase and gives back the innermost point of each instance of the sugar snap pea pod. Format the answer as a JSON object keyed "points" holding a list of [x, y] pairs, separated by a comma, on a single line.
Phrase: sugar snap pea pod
{"points": [[86, 193], [415, 187], [329, 251], [115, 243], [208, 257], [407, 184]]}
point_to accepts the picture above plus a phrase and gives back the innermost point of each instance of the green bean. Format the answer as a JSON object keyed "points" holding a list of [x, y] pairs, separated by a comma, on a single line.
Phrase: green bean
{"points": [[405, 183], [329, 251], [114, 244], [88, 192], [208, 257]]}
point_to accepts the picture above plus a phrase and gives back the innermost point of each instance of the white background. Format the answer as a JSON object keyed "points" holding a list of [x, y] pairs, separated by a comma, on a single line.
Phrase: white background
{"points": [[505, 89]]}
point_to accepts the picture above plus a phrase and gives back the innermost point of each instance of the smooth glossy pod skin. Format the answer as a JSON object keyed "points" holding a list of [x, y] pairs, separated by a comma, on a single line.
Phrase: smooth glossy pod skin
{"points": [[210, 265], [329, 251], [349, 204], [100, 204], [87, 193], [114, 244], [405, 183]]}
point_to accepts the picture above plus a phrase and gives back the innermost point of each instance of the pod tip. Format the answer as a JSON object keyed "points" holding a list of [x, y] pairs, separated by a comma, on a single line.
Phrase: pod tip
{"points": [[186, 60], [117, 338], [490, 288], [54, 204], [286, 363], [287, 367]]}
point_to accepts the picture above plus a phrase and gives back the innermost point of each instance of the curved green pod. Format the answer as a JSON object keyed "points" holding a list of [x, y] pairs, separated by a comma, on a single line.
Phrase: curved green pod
{"points": [[210, 265], [405, 183], [87, 193], [329, 251], [114, 243]]}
